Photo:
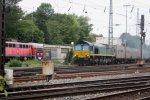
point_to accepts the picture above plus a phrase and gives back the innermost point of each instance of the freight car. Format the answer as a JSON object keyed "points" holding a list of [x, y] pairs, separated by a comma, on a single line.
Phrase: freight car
{"points": [[87, 53]]}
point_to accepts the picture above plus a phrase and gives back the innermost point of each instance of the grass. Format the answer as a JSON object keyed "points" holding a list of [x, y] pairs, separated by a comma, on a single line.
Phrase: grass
{"points": [[32, 63]]}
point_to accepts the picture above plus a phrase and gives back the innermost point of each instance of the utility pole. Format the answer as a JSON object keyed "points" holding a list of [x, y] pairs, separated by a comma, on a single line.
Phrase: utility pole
{"points": [[110, 34], [127, 16], [2, 36]]}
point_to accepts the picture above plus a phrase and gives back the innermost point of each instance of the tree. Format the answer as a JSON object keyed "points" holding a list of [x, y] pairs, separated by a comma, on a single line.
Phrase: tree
{"points": [[12, 2], [28, 32], [42, 14], [92, 37], [86, 28], [64, 29], [12, 18]]}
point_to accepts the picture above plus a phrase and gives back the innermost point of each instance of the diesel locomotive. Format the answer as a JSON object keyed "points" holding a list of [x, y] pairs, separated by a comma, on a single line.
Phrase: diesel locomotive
{"points": [[92, 53]]}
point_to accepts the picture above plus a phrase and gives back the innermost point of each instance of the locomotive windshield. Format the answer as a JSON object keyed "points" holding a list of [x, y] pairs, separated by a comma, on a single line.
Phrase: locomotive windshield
{"points": [[81, 47], [78, 47]]}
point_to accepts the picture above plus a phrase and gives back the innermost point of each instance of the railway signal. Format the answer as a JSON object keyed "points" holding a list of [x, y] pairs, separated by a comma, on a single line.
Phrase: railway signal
{"points": [[142, 33], [140, 61], [142, 23]]}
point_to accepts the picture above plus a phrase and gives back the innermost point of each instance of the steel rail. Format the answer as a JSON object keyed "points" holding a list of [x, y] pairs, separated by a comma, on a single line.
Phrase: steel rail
{"points": [[105, 81], [61, 92]]}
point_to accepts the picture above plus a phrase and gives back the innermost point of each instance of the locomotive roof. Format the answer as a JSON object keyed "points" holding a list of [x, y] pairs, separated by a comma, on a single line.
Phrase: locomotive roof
{"points": [[15, 42]]}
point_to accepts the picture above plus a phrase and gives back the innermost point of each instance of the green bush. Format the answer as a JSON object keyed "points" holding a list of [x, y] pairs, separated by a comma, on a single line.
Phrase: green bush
{"points": [[26, 64], [55, 61], [32, 63], [2, 86], [69, 58], [15, 63]]}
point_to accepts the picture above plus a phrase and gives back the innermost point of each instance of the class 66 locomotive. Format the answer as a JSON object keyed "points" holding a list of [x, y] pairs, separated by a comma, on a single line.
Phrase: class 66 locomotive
{"points": [[92, 53], [87, 53]]}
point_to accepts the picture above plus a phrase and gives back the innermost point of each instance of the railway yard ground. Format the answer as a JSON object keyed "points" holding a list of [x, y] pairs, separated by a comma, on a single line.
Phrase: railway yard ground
{"points": [[59, 50], [103, 82]]}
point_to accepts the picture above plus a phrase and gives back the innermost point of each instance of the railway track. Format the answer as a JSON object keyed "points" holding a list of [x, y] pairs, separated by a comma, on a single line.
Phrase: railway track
{"points": [[76, 88], [18, 72], [82, 75], [145, 98], [134, 94]]}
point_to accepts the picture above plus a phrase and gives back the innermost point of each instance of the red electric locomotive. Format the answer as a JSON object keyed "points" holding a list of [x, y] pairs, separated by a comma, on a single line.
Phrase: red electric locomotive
{"points": [[18, 49]]}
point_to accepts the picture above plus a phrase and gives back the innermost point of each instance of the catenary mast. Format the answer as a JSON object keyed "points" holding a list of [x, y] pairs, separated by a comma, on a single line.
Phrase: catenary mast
{"points": [[110, 34]]}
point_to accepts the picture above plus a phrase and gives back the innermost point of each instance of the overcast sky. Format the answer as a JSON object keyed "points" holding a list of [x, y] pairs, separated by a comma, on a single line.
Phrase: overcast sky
{"points": [[98, 10]]}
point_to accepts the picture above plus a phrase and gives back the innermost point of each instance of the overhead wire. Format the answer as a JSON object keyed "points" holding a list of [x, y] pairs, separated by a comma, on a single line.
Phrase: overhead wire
{"points": [[70, 2], [95, 8]]}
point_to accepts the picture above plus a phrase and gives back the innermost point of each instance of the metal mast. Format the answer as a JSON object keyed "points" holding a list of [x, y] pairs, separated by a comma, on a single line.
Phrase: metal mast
{"points": [[2, 36], [110, 34], [137, 23], [127, 17]]}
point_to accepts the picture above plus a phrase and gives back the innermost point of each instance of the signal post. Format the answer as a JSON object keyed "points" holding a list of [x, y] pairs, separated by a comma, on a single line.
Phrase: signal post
{"points": [[140, 61]]}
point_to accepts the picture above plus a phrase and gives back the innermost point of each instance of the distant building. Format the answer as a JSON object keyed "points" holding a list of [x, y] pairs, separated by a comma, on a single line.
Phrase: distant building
{"points": [[104, 40], [57, 52]]}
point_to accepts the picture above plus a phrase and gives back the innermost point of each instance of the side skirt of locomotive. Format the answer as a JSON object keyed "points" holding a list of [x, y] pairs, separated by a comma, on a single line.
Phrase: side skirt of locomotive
{"points": [[95, 60], [102, 60]]}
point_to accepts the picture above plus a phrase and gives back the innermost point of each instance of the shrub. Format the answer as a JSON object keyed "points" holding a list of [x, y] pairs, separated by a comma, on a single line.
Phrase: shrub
{"points": [[69, 58], [31, 63], [15, 63], [26, 64], [2, 86], [55, 61]]}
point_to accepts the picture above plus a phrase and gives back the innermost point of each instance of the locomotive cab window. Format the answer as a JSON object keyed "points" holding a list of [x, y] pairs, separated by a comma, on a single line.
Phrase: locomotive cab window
{"points": [[85, 47], [78, 47]]}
